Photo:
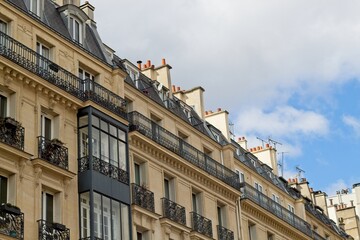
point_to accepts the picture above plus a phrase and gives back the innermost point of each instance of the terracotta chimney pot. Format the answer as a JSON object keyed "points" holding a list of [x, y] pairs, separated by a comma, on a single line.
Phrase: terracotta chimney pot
{"points": [[148, 63], [163, 61]]}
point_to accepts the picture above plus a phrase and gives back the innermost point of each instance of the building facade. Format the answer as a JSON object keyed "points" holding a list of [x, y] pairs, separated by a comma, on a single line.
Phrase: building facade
{"points": [[96, 147]]}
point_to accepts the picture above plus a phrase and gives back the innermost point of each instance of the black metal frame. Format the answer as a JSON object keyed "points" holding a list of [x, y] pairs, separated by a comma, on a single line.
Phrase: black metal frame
{"points": [[49, 230], [145, 126], [143, 197], [12, 133], [201, 224], [173, 211], [53, 152], [224, 233]]}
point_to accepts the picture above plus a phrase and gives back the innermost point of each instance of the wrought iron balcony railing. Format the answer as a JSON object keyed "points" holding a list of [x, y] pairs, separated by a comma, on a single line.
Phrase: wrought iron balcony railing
{"points": [[58, 76], [11, 221], [49, 230], [12, 133], [317, 236], [104, 168], [53, 152], [173, 211], [261, 199], [143, 197], [224, 233], [175, 144], [201, 224]]}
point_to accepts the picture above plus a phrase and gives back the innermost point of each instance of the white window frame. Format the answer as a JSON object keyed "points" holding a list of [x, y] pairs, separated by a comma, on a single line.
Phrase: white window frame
{"points": [[85, 206], [259, 187], [291, 208], [42, 122], [241, 175], [197, 196], [7, 96], [275, 198], [4, 25], [44, 206], [73, 20], [38, 5], [171, 185]]}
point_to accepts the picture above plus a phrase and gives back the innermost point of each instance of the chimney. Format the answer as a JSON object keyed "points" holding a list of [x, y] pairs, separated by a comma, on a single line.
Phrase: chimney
{"points": [[163, 61], [88, 9], [148, 63], [139, 64]]}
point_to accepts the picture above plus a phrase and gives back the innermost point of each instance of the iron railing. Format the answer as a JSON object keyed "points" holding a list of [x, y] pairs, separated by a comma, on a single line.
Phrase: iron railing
{"points": [[143, 197], [53, 152], [201, 224], [12, 133], [224, 233], [103, 167], [11, 221], [49, 230], [60, 77], [174, 211], [261, 199], [175, 144], [317, 236]]}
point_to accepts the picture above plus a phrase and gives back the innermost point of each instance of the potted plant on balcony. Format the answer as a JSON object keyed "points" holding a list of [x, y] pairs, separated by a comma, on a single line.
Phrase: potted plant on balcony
{"points": [[9, 208]]}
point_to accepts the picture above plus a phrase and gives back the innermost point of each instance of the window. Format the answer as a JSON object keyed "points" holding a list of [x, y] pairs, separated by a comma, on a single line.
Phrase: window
{"points": [[47, 207], [207, 151], [3, 26], [252, 231], [169, 192], [270, 236], [142, 235], [76, 30], [86, 75], [111, 218], [35, 7], [291, 208], [3, 106], [276, 198], [221, 211], [258, 187], [3, 190], [241, 175], [183, 136], [196, 202], [46, 126], [44, 52]]}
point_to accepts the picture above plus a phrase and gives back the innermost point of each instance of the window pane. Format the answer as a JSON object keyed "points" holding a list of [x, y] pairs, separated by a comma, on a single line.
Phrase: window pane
{"points": [[3, 189], [3, 26], [104, 126], [95, 121], [85, 214], [115, 219], [47, 128], [125, 225], [3, 106], [83, 121], [166, 189], [84, 142], [97, 216], [48, 207], [114, 158], [137, 173], [106, 218], [122, 135], [113, 130], [122, 155], [77, 31], [104, 147], [95, 143]]}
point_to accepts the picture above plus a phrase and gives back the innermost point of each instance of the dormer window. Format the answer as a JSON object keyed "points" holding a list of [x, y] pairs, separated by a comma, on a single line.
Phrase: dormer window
{"points": [[35, 7], [75, 30]]}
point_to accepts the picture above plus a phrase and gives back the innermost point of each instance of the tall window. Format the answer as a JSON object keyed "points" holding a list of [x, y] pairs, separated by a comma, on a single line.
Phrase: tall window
{"points": [[3, 189], [3, 26], [291, 208], [258, 187], [35, 7], [76, 30], [196, 202], [252, 231], [46, 126], [47, 207], [85, 75], [3, 106], [221, 215], [169, 192], [111, 218], [44, 52]]}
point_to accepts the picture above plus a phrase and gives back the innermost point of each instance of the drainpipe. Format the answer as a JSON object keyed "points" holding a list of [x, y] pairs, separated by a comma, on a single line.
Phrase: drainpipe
{"points": [[238, 219]]}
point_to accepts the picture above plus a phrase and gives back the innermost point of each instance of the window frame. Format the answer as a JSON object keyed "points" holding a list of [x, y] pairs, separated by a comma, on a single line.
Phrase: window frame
{"points": [[72, 29], [4, 26], [2, 178], [258, 187], [36, 11]]}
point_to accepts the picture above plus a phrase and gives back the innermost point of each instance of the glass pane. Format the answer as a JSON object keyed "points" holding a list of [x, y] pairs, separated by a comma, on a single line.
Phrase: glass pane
{"points": [[113, 130], [85, 214], [84, 142], [106, 218], [3, 189], [95, 143], [122, 135], [77, 31], [104, 126], [95, 121], [116, 219], [97, 216], [3, 106], [47, 128], [2, 26], [125, 225], [104, 147], [137, 173], [49, 201], [122, 155], [83, 121], [166, 189], [114, 158]]}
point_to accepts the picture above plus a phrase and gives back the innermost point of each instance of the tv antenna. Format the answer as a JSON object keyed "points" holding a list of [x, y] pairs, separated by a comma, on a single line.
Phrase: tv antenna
{"points": [[262, 141], [281, 163], [272, 141], [299, 170]]}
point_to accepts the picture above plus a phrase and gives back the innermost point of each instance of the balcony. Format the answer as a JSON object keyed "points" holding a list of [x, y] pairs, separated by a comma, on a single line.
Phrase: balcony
{"points": [[317, 236], [53, 152], [49, 230], [12, 133], [11, 221], [201, 224], [58, 76], [174, 211], [259, 198], [224, 233], [104, 168], [143, 197], [145, 126]]}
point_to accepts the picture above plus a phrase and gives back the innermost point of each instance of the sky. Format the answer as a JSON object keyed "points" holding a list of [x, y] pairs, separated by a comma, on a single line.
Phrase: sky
{"points": [[285, 70]]}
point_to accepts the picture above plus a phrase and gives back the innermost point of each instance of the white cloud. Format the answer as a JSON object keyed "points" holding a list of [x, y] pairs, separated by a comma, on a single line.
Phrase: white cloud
{"points": [[352, 122], [336, 186]]}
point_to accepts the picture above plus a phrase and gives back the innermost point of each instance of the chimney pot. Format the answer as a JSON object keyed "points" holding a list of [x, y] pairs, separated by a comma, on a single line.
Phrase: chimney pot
{"points": [[163, 61], [148, 63], [139, 64], [173, 88], [206, 112], [177, 89], [243, 138], [145, 65], [219, 109], [267, 145]]}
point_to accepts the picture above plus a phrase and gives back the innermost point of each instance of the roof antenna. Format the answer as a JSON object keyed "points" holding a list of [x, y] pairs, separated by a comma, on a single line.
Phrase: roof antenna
{"points": [[262, 141], [281, 163], [272, 141], [299, 170]]}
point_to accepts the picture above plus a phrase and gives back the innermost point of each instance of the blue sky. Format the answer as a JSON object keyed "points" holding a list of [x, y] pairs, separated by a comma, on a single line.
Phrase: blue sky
{"points": [[285, 69]]}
